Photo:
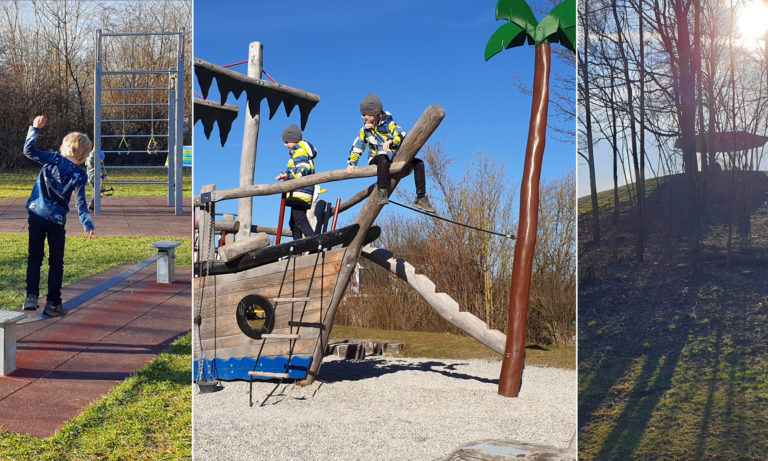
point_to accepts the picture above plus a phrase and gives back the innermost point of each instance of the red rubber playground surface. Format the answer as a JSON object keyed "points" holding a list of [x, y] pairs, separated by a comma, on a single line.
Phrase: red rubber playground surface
{"points": [[65, 363]]}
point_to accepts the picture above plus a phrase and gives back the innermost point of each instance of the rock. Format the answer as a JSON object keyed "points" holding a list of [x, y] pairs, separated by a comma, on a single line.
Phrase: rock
{"points": [[501, 450], [392, 348]]}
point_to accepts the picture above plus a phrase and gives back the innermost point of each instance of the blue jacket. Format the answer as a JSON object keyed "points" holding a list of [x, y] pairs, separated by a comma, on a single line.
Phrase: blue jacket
{"points": [[301, 164], [54, 186], [385, 129]]}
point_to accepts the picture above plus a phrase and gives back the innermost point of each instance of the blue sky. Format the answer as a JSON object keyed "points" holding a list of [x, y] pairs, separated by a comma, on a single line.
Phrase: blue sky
{"points": [[410, 53]]}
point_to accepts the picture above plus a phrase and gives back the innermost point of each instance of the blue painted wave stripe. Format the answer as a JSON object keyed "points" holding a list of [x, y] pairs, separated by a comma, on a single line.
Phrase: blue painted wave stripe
{"points": [[237, 368]]}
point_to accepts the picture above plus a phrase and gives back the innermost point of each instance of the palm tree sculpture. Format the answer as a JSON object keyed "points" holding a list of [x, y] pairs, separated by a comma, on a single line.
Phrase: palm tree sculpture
{"points": [[559, 26]]}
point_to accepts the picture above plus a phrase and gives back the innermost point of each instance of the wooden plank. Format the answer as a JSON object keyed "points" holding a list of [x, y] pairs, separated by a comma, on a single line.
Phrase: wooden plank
{"points": [[278, 349], [241, 340], [280, 336], [322, 288], [324, 177], [226, 325], [255, 281], [266, 374]]}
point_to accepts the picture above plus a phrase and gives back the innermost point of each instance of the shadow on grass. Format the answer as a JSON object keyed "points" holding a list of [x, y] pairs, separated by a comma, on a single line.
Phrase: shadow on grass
{"points": [[665, 365]]}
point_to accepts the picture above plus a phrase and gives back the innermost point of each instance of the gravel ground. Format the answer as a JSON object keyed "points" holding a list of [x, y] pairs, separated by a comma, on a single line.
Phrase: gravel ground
{"points": [[384, 408]]}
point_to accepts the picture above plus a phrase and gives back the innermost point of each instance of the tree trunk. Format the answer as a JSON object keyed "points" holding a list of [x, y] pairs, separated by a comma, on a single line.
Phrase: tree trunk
{"points": [[688, 120], [512, 366], [584, 64], [637, 163]]}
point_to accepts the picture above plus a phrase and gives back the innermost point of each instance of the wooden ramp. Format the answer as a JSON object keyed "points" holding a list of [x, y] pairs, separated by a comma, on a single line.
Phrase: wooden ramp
{"points": [[446, 306]]}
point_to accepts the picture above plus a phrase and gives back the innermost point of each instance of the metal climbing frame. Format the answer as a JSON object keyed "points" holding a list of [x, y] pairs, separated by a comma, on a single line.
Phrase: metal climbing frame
{"points": [[174, 120]]}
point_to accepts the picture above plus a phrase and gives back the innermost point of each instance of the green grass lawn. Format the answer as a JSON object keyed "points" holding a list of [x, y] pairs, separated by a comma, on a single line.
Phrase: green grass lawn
{"points": [[19, 183], [82, 259], [148, 416], [453, 346]]}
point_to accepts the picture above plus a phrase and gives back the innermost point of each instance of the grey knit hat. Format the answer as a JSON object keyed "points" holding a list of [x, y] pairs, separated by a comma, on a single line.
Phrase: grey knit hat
{"points": [[292, 134], [371, 105]]}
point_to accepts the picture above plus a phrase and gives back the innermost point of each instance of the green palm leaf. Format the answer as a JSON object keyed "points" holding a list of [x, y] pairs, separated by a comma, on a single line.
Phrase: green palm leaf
{"points": [[559, 26], [506, 36], [518, 12]]}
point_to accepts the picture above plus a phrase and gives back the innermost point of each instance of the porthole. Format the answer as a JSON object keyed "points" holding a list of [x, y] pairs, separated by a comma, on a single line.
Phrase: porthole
{"points": [[255, 316]]}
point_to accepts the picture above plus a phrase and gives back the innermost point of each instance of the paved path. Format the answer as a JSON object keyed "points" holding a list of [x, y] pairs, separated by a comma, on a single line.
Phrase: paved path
{"points": [[63, 364], [126, 216]]}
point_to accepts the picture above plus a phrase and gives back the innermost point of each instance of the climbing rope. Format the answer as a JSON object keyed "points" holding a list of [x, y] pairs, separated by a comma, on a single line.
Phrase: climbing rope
{"points": [[209, 241], [123, 141], [152, 146], [509, 236]]}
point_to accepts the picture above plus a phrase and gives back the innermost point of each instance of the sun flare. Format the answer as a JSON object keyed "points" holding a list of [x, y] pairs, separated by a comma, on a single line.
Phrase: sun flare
{"points": [[753, 20]]}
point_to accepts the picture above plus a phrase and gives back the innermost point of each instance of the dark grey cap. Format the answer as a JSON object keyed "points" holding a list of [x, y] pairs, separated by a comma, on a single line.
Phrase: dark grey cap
{"points": [[292, 134], [371, 105]]}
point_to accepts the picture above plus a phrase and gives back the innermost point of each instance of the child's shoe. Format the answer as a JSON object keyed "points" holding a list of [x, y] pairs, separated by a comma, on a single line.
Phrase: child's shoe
{"points": [[383, 197], [30, 303], [54, 310], [422, 203]]}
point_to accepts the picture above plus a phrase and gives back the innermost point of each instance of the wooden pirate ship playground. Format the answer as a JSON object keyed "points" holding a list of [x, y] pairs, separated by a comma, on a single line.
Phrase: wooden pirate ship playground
{"points": [[266, 311]]}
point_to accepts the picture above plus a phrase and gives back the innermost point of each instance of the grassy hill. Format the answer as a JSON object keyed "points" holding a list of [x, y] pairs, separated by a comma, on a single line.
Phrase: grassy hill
{"points": [[673, 357]]}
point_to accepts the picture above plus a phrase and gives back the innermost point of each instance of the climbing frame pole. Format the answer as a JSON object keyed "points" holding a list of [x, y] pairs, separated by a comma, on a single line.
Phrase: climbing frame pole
{"points": [[417, 137], [174, 120], [179, 121]]}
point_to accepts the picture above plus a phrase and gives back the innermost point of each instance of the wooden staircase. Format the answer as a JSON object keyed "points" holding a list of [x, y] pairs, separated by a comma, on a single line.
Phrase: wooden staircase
{"points": [[446, 306]]}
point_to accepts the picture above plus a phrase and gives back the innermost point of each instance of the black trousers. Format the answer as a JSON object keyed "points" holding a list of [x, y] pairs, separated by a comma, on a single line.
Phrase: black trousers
{"points": [[383, 162], [39, 230], [299, 224]]}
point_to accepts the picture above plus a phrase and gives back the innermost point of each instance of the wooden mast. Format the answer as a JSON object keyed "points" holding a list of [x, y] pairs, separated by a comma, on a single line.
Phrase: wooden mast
{"points": [[250, 140]]}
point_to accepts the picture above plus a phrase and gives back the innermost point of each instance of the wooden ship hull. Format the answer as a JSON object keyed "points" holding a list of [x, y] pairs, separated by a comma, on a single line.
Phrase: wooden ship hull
{"points": [[297, 290], [234, 338]]}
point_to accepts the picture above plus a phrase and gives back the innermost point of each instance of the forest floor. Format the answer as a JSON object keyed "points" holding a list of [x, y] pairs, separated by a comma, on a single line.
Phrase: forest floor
{"points": [[673, 357]]}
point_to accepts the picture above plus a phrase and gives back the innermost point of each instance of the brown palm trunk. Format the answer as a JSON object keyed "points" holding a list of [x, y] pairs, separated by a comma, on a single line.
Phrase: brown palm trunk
{"points": [[512, 366]]}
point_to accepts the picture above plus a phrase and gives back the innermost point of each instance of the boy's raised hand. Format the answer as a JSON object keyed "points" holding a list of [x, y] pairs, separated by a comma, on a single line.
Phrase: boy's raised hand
{"points": [[350, 169], [39, 121]]}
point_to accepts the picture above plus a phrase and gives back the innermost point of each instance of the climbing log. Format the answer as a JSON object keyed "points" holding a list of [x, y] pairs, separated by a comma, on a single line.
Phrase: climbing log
{"points": [[298, 183], [222, 226], [417, 137], [236, 249], [446, 306], [270, 230]]}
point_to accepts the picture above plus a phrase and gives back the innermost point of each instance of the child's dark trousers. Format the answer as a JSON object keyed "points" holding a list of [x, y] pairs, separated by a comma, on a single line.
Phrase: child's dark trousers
{"points": [[383, 162], [39, 229], [300, 224]]}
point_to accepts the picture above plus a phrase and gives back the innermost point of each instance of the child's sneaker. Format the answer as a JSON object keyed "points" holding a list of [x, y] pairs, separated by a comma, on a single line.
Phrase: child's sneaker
{"points": [[30, 303], [54, 310], [422, 203], [383, 197]]}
